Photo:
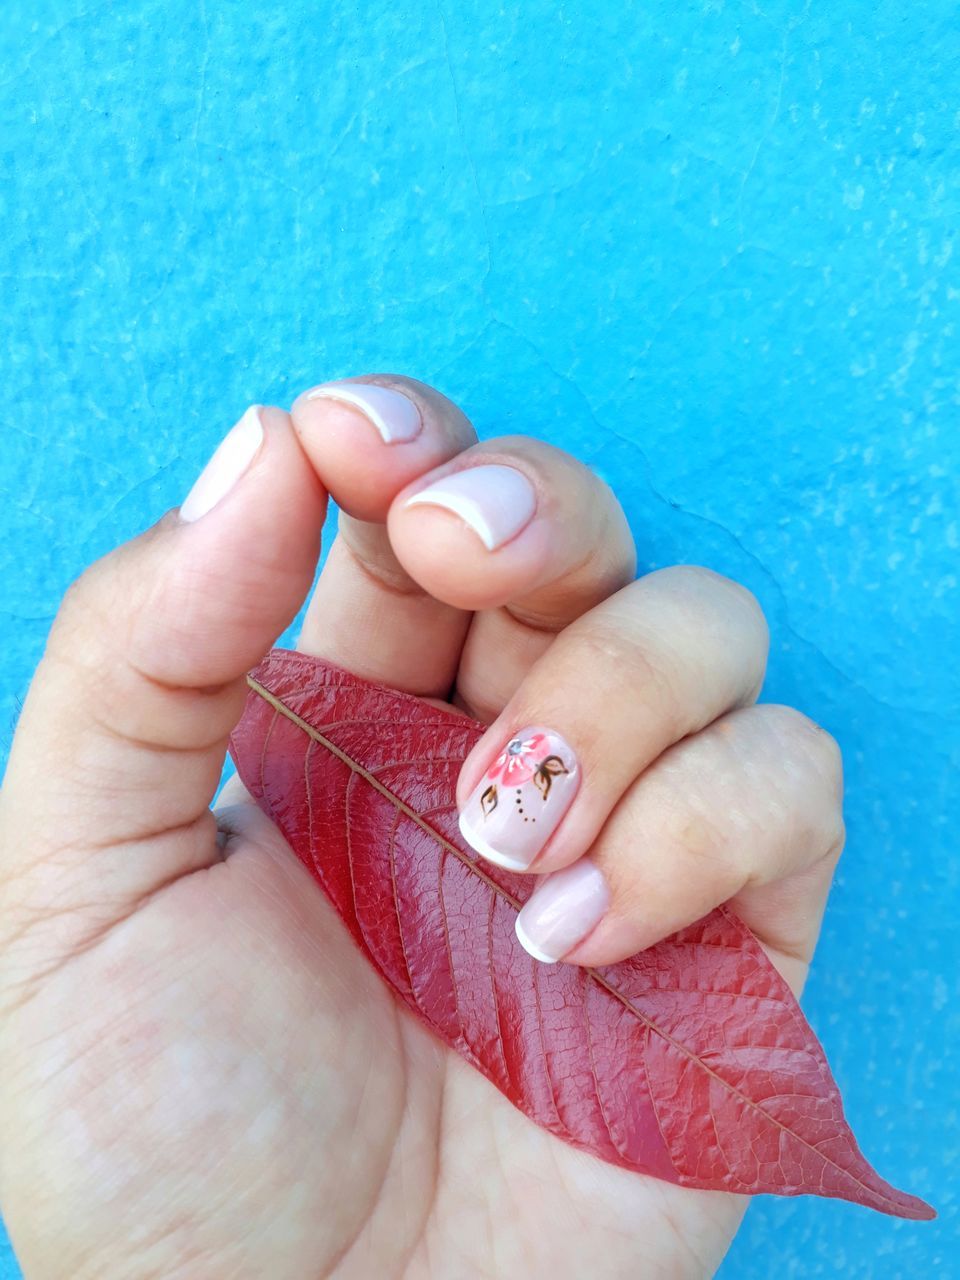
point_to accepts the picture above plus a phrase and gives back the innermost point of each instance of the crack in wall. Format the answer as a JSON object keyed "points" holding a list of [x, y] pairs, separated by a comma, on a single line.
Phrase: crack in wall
{"points": [[762, 568]]}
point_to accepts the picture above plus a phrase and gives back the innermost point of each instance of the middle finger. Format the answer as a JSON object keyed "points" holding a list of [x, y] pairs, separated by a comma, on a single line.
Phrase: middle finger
{"points": [[523, 536]]}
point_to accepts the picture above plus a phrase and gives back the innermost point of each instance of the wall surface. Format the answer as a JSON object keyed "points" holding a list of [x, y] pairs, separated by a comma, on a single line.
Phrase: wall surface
{"points": [[708, 246]]}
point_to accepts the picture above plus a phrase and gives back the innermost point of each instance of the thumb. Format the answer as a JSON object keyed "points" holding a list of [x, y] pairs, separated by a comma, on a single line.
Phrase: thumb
{"points": [[122, 738]]}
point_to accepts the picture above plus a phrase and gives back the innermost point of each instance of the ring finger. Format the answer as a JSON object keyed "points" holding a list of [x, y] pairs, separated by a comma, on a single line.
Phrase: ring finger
{"points": [[659, 660]]}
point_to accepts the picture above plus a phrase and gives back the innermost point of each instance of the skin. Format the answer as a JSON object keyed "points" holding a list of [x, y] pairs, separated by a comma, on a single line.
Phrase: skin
{"points": [[199, 1074]]}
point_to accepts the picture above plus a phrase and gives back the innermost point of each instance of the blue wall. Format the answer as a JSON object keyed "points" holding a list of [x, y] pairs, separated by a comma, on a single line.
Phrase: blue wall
{"points": [[708, 246]]}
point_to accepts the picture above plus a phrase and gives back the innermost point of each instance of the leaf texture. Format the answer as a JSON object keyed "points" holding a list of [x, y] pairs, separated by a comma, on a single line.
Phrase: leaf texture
{"points": [[690, 1061]]}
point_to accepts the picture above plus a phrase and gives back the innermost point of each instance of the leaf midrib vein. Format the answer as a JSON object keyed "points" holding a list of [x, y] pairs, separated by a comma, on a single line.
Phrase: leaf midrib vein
{"points": [[280, 706]]}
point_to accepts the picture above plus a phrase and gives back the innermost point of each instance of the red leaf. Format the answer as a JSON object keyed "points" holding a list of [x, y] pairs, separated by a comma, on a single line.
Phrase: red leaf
{"points": [[691, 1061]]}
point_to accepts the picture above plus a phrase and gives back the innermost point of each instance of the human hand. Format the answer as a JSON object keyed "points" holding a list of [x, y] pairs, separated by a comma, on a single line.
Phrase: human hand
{"points": [[200, 1076]]}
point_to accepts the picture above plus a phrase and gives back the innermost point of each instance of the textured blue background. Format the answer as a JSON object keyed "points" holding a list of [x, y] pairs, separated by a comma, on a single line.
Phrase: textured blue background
{"points": [[708, 246]]}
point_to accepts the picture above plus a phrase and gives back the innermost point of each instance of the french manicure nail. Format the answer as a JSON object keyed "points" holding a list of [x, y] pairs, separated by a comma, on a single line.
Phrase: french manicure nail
{"points": [[230, 460], [518, 803], [393, 414], [562, 910], [496, 502]]}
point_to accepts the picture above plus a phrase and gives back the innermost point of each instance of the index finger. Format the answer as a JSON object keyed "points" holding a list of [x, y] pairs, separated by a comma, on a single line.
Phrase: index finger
{"points": [[368, 438]]}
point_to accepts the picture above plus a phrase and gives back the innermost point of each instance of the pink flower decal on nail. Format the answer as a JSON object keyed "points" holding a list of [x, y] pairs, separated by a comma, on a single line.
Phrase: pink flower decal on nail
{"points": [[518, 761], [518, 803]]}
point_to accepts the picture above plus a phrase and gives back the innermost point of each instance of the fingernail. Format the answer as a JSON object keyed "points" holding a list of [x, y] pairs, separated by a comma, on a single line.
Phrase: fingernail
{"points": [[562, 910], [496, 502], [233, 455], [518, 803], [395, 416]]}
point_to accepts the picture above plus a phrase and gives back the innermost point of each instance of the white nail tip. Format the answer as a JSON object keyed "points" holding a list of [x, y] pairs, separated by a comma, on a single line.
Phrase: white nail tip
{"points": [[460, 506], [529, 947], [496, 502], [395, 417], [230, 460], [479, 845]]}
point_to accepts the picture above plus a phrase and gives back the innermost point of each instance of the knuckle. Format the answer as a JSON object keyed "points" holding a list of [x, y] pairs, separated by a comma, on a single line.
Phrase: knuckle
{"points": [[837, 843], [695, 836], [720, 594], [805, 736], [820, 759], [828, 752], [76, 602], [107, 655], [743, 600], [690, 832], [85, 623], [786, 722], [607, 646]]}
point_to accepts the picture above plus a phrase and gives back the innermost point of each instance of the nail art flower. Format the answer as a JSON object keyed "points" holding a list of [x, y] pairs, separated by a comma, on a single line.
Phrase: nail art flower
{"points": [[517, 762]]}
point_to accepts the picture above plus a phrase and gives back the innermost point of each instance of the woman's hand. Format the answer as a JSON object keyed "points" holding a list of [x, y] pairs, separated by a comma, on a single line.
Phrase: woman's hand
{"points": [[200, 1076]]}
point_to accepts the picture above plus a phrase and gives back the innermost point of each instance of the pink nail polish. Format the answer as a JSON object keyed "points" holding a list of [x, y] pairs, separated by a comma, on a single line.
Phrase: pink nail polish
{"points": [[495, 502], [520, 800], [396, 418], [562, 910]]}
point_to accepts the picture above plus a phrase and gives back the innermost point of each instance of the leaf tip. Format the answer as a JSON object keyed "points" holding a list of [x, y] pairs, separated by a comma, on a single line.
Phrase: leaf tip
{"points": [[903, 1205], [922, 1212]]}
